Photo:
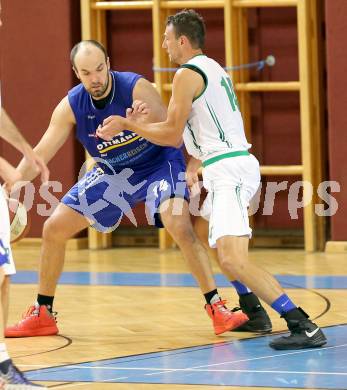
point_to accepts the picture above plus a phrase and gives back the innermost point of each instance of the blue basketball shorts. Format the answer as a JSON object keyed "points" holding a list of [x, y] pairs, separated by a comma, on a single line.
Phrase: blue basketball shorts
{"points": [[104, 198]]}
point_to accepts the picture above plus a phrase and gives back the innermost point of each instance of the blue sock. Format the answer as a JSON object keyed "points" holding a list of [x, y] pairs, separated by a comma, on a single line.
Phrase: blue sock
{"points": [[283, 304], [240, 288]]}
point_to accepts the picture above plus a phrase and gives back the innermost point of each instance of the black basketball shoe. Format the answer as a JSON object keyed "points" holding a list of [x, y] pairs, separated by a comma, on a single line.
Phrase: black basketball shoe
{"points": [[303, 332], [259, 321]]}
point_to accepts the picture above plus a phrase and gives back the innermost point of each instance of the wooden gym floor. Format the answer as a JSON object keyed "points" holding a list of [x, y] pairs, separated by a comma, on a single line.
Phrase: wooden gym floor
{"points": [[131, 319]]}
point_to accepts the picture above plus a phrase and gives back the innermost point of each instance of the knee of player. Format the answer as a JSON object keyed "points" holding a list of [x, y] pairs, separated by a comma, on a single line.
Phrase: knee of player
{"points": [[232, 263], [53, 229], [201, 229], [183, 232]]}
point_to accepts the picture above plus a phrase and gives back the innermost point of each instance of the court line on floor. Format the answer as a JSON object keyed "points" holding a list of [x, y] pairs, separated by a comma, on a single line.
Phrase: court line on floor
{"points": [[147, 355], [197, 368], [201, 368], [67, 343], [252, 359], [155, 279], [168, 370]]}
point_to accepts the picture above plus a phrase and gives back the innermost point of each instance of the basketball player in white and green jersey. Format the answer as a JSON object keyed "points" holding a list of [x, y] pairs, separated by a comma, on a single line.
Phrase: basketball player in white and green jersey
{"points": [[203, 109]]}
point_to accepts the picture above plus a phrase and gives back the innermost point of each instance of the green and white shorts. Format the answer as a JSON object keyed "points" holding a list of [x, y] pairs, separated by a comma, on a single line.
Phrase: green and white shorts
{"points": [[231, 182]]}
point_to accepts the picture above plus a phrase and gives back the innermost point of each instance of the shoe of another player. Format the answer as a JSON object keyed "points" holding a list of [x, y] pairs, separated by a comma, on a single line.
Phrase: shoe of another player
{"points": [[223, 319], [259, 321], [38, 321], [303, 333], [14, 379]]}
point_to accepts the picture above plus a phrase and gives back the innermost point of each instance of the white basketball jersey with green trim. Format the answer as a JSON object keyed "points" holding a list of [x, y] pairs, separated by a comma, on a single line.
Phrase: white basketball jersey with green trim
{"points": [[215, 123]]}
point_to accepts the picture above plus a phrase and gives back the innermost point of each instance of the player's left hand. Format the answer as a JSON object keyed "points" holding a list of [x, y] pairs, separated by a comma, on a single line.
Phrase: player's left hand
{"points": [[110, 127], [138, 112]]}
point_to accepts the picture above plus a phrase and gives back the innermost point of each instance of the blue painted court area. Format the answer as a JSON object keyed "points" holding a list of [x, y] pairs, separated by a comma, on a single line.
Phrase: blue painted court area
{"points": [[248, 362], [174, 280]]}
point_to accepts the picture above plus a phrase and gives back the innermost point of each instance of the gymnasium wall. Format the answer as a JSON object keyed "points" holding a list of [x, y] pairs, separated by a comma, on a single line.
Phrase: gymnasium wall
{"points": [[37, 37], [336, 38]]}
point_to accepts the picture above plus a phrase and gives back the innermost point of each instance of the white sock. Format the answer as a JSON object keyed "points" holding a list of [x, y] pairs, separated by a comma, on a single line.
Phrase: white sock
{"points": [[3, 353], [215, 298]]}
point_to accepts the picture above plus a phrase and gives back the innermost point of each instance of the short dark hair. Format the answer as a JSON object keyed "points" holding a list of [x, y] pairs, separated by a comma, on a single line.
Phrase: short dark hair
{"points": [[189, 23], [78, 46]]}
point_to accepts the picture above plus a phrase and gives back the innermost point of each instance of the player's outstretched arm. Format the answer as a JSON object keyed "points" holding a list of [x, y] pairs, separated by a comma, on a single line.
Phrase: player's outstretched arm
{"points": [[12, 135], [186, 85], [60, 127]]}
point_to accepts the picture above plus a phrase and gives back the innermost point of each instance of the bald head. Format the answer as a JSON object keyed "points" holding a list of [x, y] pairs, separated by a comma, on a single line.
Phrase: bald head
{"points": [[91, 64], [88, 48]]}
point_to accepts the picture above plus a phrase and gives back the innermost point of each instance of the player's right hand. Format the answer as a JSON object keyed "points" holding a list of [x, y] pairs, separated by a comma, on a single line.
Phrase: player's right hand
{"points": [[192, 176], [192, 180]]}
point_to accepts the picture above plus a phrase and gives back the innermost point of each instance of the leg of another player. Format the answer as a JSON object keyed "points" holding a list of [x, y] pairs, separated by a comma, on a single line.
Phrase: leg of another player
{"points": [[5, 297], [181, 230], [10, 376], [233, 258], [2, 277], [4, 357], [176, 219], [201, 230], [259, 320], [63, 224]]}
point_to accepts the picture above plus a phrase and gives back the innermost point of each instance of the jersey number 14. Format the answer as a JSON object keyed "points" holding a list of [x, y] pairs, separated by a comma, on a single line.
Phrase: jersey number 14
{"points": [[227, 85]]}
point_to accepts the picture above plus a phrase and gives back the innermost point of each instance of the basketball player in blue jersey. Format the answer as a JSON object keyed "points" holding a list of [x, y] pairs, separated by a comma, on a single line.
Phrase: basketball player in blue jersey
{"points": [[129, 169], [203, 109]]}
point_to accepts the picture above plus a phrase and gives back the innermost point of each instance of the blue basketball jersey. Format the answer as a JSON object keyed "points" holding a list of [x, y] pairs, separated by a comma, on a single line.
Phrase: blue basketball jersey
{"points": [[127, 149]]}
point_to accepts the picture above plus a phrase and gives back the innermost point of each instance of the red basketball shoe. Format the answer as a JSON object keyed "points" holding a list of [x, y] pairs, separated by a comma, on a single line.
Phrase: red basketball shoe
{"points": [[223, 319], [38, 321]]}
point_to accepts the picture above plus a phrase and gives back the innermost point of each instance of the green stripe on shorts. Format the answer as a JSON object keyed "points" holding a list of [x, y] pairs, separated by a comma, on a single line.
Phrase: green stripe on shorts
{"points": [[225, 155]]}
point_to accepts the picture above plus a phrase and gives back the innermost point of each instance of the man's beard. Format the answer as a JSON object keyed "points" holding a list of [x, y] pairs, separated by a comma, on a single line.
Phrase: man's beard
{"points": [[173, 59], [101, 92]]}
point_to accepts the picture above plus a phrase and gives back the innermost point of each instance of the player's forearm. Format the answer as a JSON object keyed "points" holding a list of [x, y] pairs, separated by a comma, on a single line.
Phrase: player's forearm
{"points": [[7, 171], [27, 171], [4, 167], [161, 133], [10, 133], [157, 117], [159, 114]]}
